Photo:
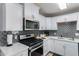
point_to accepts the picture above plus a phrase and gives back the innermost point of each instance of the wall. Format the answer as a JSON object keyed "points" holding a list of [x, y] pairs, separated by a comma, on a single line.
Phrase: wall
{"points": [[1, 16]]}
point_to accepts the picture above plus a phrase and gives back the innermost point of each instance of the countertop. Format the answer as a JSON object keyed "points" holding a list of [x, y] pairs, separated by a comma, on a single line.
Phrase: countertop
{"points": [[16, 48], [76, 40]]}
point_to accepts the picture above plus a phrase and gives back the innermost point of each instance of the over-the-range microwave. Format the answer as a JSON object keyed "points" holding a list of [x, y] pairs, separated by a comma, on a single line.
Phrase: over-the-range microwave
{"points": [[31, 25]]}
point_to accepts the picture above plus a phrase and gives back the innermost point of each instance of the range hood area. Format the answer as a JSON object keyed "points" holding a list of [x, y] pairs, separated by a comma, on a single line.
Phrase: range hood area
{"points": [[67, 29]]}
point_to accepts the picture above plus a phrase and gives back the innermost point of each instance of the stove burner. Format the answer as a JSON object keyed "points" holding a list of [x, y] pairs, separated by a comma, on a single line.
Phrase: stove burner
{"points": [[30, 41]]}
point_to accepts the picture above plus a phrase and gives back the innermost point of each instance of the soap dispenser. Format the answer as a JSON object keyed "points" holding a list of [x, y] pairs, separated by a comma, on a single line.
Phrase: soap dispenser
{"points": [[9, 39]]}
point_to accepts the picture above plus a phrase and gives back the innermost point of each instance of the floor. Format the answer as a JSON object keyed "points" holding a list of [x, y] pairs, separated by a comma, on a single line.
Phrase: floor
{"points": [[52, 54], [48, 54], [39, 52]]}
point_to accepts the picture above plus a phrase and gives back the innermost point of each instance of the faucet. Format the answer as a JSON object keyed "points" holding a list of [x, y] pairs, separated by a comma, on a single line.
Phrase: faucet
{"points": [[61, 36], [72, 38]]}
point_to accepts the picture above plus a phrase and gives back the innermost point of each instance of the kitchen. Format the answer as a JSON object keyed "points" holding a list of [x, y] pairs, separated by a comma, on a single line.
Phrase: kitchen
{"points": [[39, 29]]}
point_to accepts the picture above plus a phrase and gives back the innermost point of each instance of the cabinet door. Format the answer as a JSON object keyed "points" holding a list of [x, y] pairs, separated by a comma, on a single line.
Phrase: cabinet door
{"points": [[48, 23], [59, 47], [51, 44], [46, 47], [35, 11], [77, 21], [28, 11], [61, 19], [54, 23], [77, 28], [14, 16], [31, 11], [71, 49], [72, 17], [42, 22]]}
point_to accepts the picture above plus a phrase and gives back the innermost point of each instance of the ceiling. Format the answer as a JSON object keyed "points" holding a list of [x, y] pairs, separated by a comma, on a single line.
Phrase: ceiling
{"points": [[52, 9]]}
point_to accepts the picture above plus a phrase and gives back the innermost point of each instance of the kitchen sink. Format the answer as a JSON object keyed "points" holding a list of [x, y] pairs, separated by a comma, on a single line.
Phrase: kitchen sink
{"points": [[64, 38]]}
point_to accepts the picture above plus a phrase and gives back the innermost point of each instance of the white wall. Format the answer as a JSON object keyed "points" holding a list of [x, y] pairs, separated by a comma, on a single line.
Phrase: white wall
{"points": [[2, 17]]}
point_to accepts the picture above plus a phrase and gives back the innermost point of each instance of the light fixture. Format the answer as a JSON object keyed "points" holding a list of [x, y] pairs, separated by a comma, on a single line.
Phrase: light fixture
{"points": [[62, 5]]}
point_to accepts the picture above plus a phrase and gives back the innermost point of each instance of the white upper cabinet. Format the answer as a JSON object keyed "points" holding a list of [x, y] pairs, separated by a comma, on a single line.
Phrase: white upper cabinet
{"points": [[67, 18], [61, 19], [41, 22], [54, 23], [31, 11], [48, 23], [13, 17], [71, 17], [77, 28]]}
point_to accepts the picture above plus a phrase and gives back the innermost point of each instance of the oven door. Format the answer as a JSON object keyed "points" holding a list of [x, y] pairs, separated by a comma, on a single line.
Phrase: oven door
{"points": [[36, 50]]}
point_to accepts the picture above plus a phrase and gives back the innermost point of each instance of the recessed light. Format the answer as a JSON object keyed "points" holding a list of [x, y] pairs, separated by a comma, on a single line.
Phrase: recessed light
{"points": [[62, 5]]}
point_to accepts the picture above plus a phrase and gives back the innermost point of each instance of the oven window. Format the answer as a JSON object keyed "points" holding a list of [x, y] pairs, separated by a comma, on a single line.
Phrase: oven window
{"points": [[38, 52]]}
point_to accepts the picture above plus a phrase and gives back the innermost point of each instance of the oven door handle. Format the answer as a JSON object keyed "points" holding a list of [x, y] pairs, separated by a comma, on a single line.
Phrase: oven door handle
{"points": [[36, 48]]}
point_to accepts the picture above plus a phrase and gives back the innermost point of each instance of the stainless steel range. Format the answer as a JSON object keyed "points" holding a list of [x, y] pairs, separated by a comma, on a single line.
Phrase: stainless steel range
{"points": [[33, 44]]}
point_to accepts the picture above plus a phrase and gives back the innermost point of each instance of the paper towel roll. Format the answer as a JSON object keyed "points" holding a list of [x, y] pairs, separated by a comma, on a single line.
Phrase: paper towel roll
{"points": [[9, 39]]}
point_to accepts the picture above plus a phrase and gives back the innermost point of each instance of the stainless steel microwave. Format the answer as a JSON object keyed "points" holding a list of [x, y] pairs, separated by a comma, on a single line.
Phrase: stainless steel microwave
{"points": [[31, 25]]}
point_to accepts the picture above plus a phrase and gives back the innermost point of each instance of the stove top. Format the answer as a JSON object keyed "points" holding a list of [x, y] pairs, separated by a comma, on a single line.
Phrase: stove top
{"points": [[30, 41]]}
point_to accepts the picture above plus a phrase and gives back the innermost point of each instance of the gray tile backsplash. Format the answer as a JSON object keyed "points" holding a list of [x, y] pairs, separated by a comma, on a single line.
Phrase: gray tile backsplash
{"points": [[3, 35], [67, 29]]}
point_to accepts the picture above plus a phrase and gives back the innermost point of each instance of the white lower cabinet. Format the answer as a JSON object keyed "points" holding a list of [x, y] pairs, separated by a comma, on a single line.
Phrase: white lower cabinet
{"points": [[60, 47], [51, 43], [46, 47], [66, 48], [71, 49]]}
